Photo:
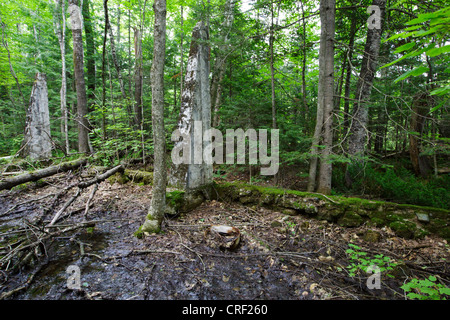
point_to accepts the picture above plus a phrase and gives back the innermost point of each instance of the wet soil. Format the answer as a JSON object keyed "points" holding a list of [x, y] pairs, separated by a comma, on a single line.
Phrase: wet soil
{"points": [[279, 257]]}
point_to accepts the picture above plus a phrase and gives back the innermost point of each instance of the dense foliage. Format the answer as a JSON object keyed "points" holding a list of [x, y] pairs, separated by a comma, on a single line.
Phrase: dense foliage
{"points": [[413, 60]]}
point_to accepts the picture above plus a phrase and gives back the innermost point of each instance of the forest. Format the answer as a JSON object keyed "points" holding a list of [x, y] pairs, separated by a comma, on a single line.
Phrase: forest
{"points": [[335, 118]]}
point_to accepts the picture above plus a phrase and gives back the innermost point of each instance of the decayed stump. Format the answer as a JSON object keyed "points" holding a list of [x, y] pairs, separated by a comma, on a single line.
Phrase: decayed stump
{"points": [[190, 172], [37, 142], [194, 172]]}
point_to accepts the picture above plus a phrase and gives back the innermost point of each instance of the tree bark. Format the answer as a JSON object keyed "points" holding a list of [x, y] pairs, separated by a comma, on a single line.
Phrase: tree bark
{"points": [[78, 62], [113, 49], [358, 128], [61, 34], [90, 52], [272, 71], [37, 142], [358, 138], [138, 77], [158, 201], [326, 102], [220, 63], [195, 108], [349, 73], [420, 163]]}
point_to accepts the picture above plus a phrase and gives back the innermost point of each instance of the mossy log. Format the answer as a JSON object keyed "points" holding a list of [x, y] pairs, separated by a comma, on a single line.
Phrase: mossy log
{"points": [[39, 174], [136, 176], [408, 221]]}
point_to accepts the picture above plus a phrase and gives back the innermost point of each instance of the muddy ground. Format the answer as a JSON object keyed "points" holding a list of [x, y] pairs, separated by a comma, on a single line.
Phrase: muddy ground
{"points": [[279, 257]]}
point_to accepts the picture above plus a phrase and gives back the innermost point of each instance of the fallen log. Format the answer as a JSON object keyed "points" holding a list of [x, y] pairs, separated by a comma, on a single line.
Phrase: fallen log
{"points": [[39, 174]]}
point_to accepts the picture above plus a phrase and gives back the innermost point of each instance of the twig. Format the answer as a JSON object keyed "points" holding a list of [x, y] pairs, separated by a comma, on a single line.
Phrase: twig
{"points": [[89, 200]]}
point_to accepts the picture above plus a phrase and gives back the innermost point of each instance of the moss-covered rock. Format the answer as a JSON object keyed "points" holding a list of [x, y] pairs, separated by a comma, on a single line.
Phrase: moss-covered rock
{"points": [[350, 219], [404, 229], [349, 212]]}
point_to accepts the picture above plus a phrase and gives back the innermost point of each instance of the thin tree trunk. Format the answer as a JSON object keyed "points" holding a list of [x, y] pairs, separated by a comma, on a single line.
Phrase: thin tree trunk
{"points": [[272, 71], [138, 77], [358, 129], [349, 73], [113, 50], [61, 33], [305, 103], [421, 163], [105, 37], [78, 56], [90, 52], [158, 201], [181, 53], [11, 69], [220, 63]]}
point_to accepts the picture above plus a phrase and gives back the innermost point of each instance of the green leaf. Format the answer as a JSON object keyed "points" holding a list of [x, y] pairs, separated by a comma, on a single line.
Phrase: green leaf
{"points": [[437, 51], [414, 72], [405, 47]]}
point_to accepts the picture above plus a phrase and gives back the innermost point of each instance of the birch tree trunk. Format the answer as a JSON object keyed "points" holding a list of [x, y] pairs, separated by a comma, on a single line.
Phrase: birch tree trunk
{"points": [[37, 142], [158, 201], [78, 62], [324, 119]]}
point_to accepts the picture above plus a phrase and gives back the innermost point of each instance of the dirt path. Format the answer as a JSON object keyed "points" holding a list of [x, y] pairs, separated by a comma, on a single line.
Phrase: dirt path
{"points": [[280, 256]]}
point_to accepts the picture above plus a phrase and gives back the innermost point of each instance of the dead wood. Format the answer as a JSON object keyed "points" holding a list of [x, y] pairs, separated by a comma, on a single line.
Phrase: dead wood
{"points": [[83, 185], [39, 174]]}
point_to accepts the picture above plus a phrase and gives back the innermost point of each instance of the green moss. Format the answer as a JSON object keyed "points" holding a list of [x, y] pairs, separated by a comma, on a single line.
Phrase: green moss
{"points": [[349, 212], [174, 198], [137, 176], [404, 229], [350, 219]]}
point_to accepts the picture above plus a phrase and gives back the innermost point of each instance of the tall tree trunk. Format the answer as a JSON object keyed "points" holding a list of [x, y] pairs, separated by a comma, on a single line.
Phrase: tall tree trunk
{"points": [[328, 92], [90, 54], [61, 34], [358, 129], [421, 107], [83, 125], [272, 71], [324, 121], [138, 77], [158, 201], [181, 54], [305, 103], [220, 63], [113, 50], [349, 73], [360, 114], [105, 37]]}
